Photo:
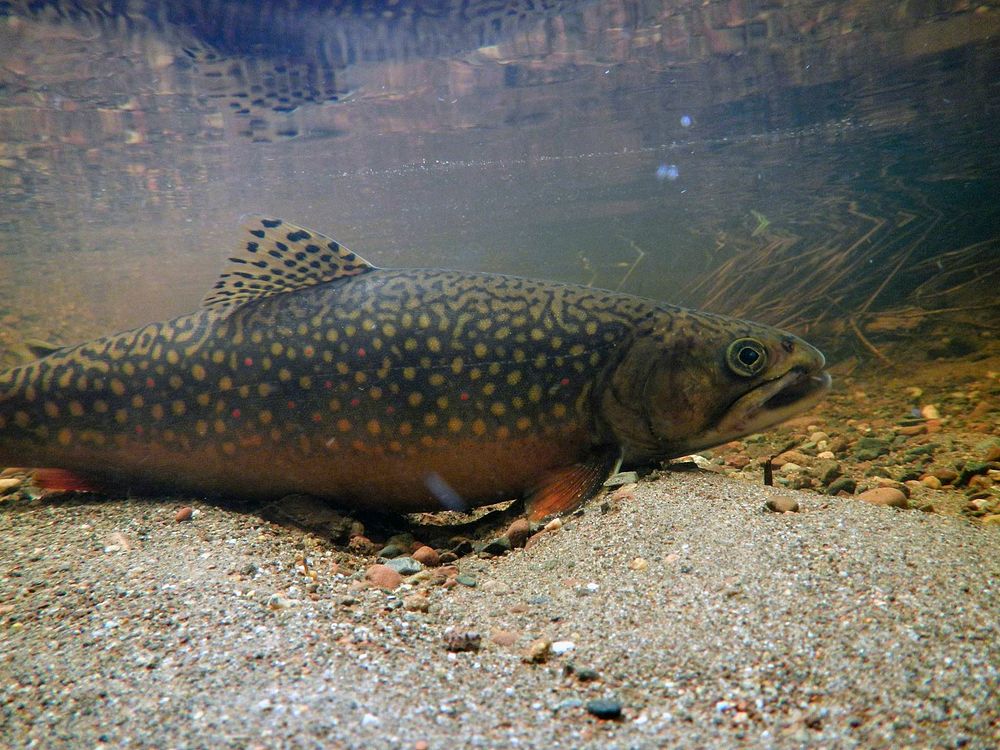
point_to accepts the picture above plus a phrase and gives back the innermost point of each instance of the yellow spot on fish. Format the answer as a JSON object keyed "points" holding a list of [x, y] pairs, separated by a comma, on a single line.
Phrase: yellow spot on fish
{"points": [[219, 426], [535, 393], [389, 330], [556, 342], [65, 379], [415, 399], [178, 408], [229, 448], [405, 428], [201, 427], [198, 372], [218, 356], [514, 377], [303, 329], [409, 373], [121, 416], [128, 368], [117, 387], [64, 436], [455, 424], [590, 328], [101, 406], [489, 389], [51, 409], [305, 382], [559, 410], [442, 402], [76, 408], [576, 350], [480, 350], [503, 432], [456, 365], [225, 383], [375, 393], [257, 337], [277, 349], [175, 381], [350, 330], [360, 377], [203, 399], [478, 427], [434, 344], [173, 357], [523, 423], [343, 368], [343, 425], [157, 411], [332, 335], [265, 416], [498, 409], [424, 320], [537, 334], [436, 379], [138, 401], [334, 404], [430, 419], [374, 427], [368, 324], [284, 375]]}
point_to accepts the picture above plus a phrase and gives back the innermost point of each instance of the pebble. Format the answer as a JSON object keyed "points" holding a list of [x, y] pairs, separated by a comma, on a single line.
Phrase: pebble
{"points": [[462, 640], [518, 532], [929, 480], [639, 563], [405, 566], [427, 556], [554, 525], [624, 477], [390, 551], [465, 580], [496, 547], [504, 638], [605, 708], [844, 484], [947, 476], [625, 492], [416, 602], [8, 484], [562, 647], [184, 514], [991, 520], [930, 411], [279, 602], [383, 577], [889, 496], [782, 504], [538, 652]]}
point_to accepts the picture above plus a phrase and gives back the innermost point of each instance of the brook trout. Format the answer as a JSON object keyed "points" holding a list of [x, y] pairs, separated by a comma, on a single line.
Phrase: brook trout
{"points": [[309, 370]]}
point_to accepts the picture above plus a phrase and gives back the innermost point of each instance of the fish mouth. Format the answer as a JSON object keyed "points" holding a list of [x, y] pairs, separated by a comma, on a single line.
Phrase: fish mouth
{"points": [[776, 400]]}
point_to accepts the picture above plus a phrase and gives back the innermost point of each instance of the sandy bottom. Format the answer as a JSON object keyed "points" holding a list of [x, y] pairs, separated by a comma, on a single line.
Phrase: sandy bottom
{"points": [[711, 621]]}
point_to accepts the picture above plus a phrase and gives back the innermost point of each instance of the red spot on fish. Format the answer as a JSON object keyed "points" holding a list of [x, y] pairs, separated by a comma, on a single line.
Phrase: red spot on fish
{"points": [[237, 413], [328, 384], [291, 404], [150, 383], [309, 351], [564, 381], [390, 410], [464, 396], [248, 361], [317, 417], [355, 401], [139, 429], [361, 351]]}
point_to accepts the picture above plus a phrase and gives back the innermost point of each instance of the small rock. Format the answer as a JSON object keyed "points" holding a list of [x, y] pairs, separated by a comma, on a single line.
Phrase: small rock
{"points": [[782, 504], [427, 556], [390, 551], [184, 514], [844, 484], [465, 580], [504, 638], [8, 484], [625, 477], [625, 492], [585, 674], [869, 448], [416, 602], [930, 411], [383, 577], [462, 640], [518, 532], [971, 469], [929, 480], [279, 602], [562, 647], [913, 429], [361, 545], [496, 547], [538, 652], [947, 476], [605, 708], [991, 520], [554, 525], [639, 564], [889, 496], [405, 566]]}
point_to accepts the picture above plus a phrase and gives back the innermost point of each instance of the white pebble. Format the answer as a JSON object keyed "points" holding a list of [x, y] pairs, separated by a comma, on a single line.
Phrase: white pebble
{"points": [[562, 647]]}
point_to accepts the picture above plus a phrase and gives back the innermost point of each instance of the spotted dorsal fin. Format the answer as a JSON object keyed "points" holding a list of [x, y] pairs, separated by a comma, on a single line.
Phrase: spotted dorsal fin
{"points": [[276, 257]]}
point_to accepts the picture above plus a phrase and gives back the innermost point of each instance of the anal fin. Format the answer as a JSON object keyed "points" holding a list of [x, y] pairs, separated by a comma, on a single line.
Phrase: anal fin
{"points": [[61, 480], [561, 490]]}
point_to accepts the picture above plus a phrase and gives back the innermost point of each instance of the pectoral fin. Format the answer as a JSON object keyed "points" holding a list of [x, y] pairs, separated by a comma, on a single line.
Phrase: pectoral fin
{"points": [[562, 490]]}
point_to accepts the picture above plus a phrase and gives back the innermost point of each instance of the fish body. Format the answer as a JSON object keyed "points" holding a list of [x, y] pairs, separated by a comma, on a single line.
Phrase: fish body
{"points": [[310, 371]]}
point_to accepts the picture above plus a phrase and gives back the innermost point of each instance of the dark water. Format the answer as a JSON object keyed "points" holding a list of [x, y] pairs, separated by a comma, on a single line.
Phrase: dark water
{"points": [[804, 163]]}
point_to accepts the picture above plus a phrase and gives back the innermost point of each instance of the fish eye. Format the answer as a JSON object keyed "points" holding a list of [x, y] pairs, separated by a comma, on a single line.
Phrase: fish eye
{"points": [[746, 357]]}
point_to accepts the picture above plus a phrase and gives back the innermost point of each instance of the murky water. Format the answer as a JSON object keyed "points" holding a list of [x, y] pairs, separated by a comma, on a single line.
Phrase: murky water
{"points": [[794, 162]]}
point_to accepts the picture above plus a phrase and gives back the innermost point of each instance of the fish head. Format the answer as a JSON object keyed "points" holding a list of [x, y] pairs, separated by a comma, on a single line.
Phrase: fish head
{"points": [[696, 380]]}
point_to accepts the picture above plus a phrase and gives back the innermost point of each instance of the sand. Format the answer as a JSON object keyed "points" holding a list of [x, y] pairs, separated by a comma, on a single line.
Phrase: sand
{"points": [[712, 622]]}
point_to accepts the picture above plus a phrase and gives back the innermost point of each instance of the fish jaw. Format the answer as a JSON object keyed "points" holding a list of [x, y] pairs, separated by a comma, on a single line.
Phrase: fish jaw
{"points": [[770, 403]]}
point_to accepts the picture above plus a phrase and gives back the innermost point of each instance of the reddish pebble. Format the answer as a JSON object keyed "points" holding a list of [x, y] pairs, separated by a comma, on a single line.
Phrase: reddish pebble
{"points": [[503, 637], [184, 514], [885, 496], [427, 556], [383, 576], [421, 745], [518, 532]]}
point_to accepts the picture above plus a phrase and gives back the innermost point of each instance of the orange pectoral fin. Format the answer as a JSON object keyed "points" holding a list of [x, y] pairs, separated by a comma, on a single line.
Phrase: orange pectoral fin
{"points": [[562, 490], [60, 480]]}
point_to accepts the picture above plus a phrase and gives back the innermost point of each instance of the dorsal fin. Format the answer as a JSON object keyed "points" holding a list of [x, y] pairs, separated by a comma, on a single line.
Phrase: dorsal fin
{"points": [[275, 257]]}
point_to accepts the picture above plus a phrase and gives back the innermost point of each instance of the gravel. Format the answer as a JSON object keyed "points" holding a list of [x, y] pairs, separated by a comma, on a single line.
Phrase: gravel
{"points": [[843, 625]]}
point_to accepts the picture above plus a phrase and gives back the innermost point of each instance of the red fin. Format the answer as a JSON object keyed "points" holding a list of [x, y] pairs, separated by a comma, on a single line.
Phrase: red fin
{"points": [[562, 490], [60, 480]]}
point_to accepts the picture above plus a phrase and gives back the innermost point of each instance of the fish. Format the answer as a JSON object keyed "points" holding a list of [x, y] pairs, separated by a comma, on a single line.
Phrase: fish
{"points": [[308, 370]]}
